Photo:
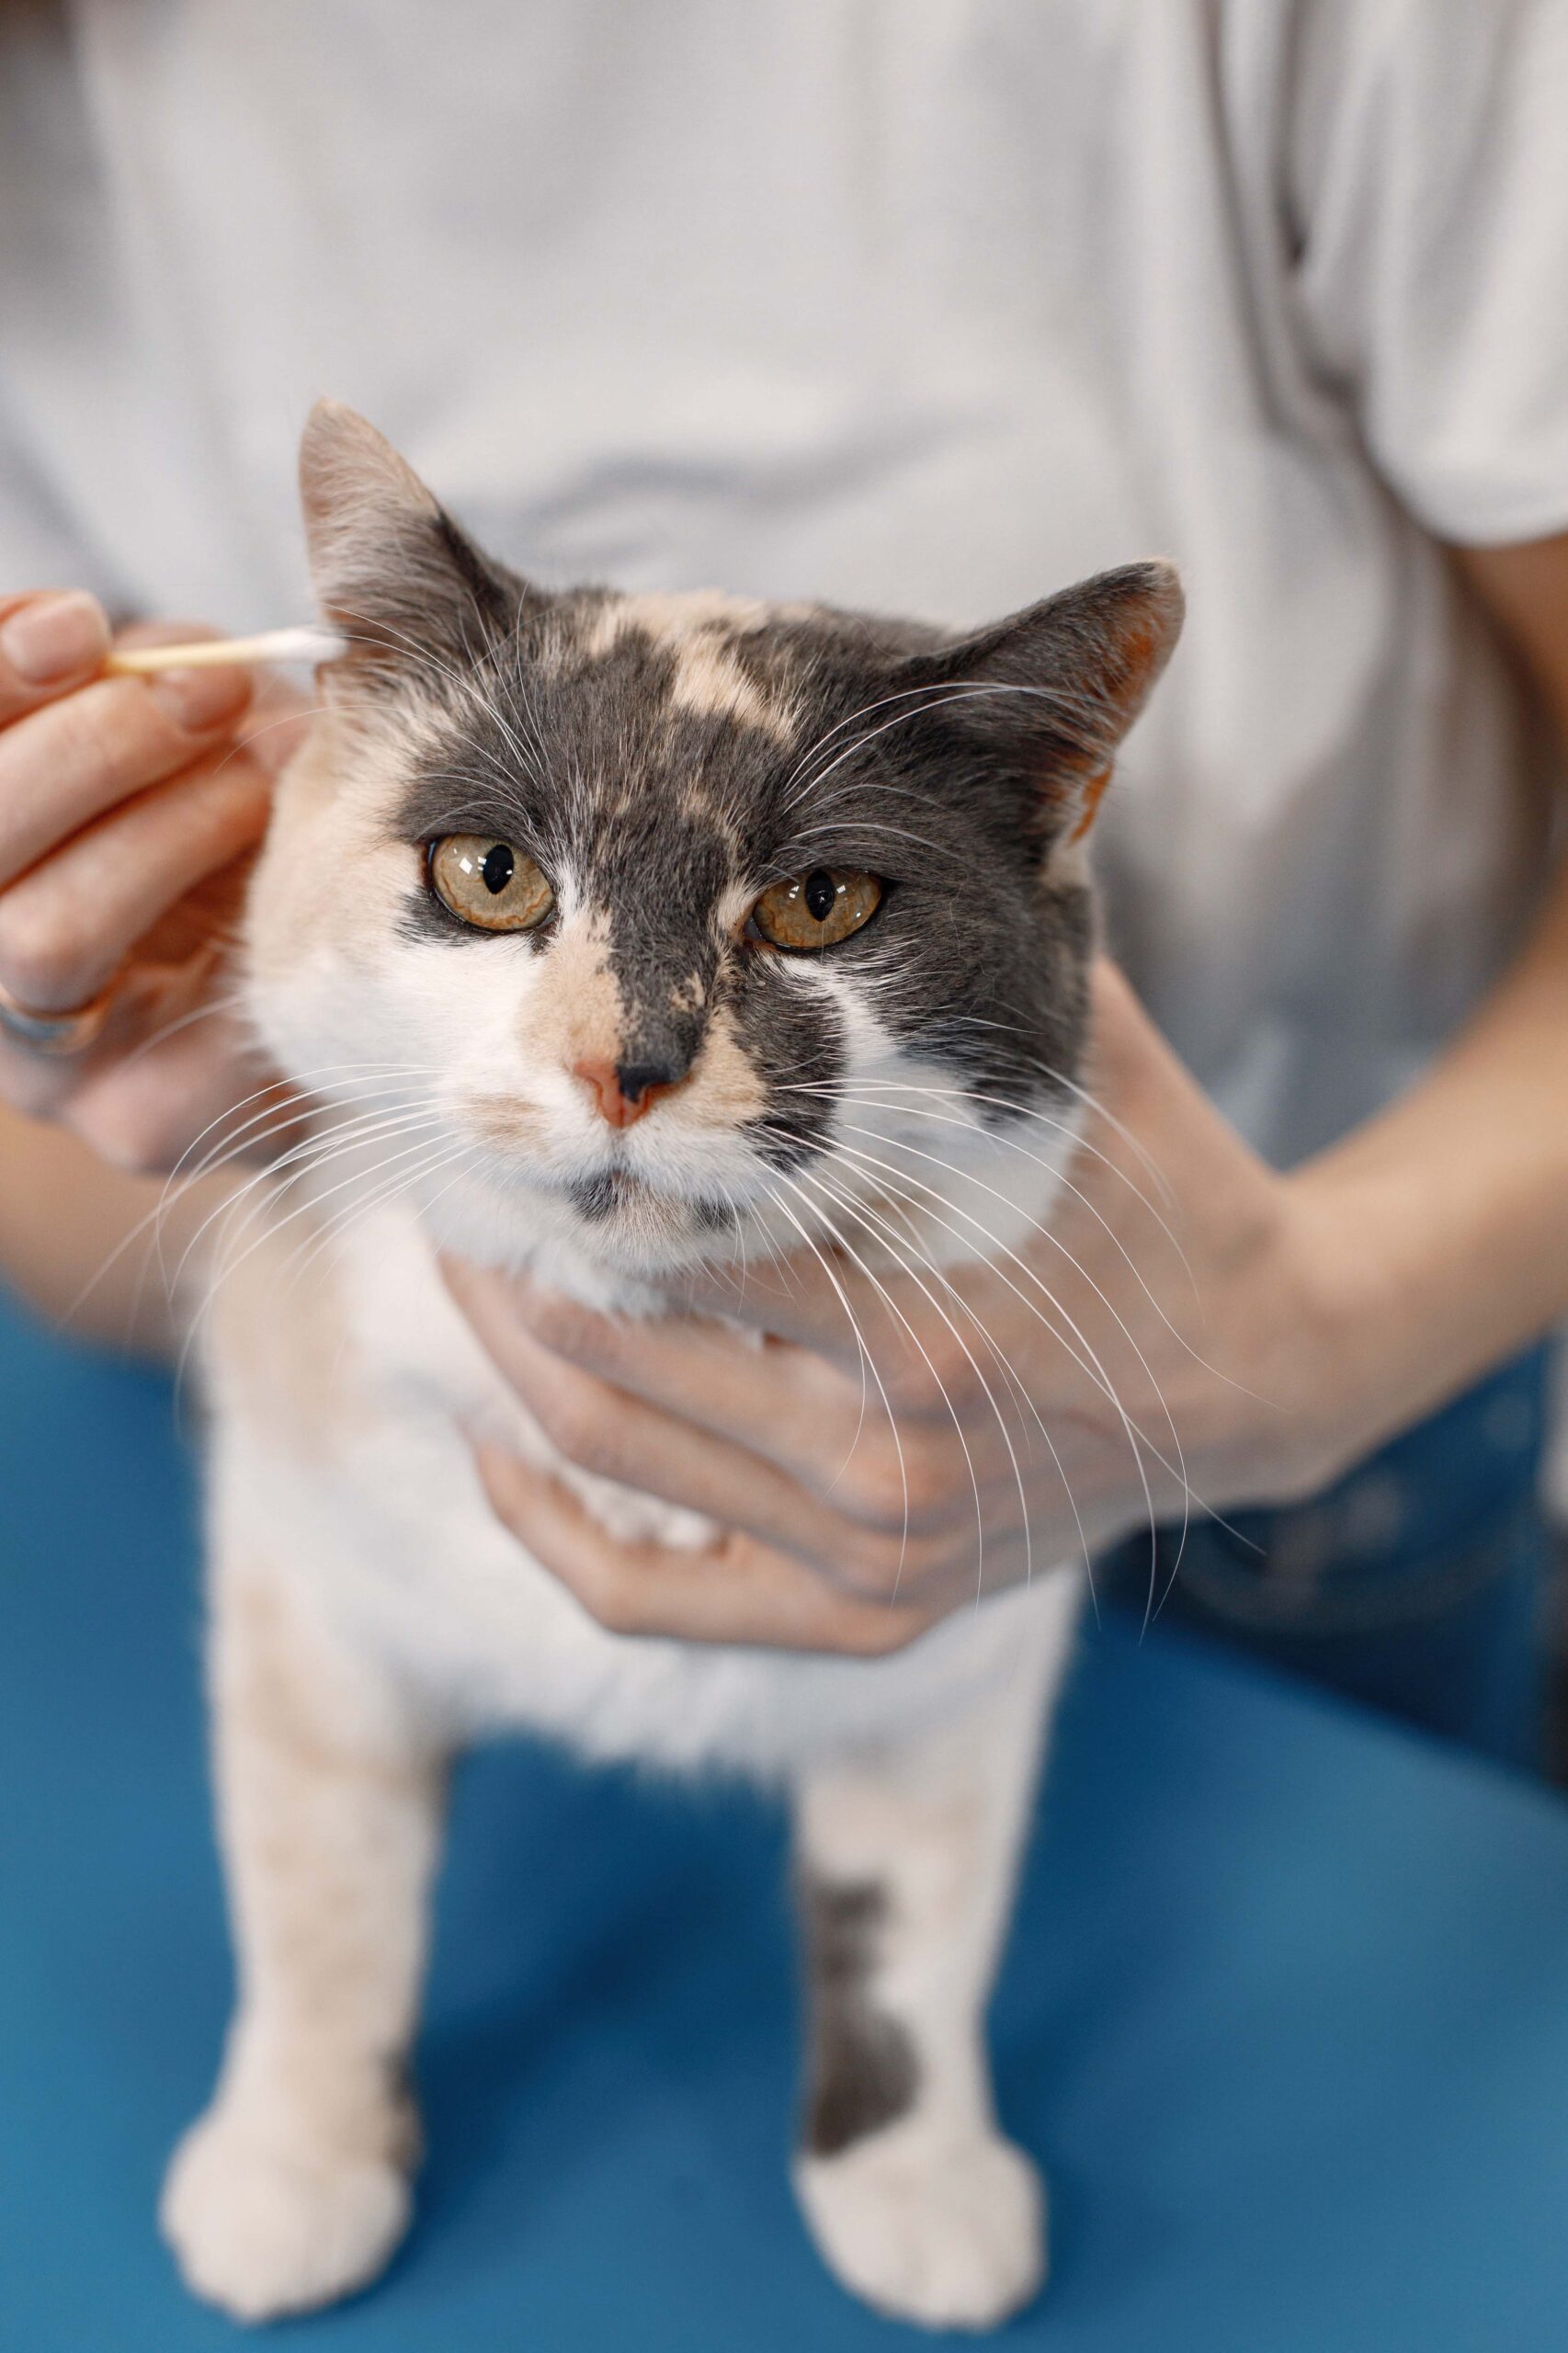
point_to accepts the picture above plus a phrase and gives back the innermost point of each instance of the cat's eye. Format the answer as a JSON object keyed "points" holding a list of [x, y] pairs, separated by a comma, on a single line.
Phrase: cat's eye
{"points": [[816, 910], [489, 883]]}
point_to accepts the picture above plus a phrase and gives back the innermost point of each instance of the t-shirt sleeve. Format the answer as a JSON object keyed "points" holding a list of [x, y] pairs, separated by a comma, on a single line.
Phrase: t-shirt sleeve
{"points": [[1429, 169], [53, 261]]}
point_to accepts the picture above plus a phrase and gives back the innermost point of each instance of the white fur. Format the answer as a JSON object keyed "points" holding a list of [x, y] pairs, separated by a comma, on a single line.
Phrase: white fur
{"points": [[262, 2231], [948, 2230]]}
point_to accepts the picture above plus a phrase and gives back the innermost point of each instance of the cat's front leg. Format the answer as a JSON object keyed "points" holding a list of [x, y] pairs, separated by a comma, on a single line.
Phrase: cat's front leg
{"points": [[906, 1866], [293, 2189]]}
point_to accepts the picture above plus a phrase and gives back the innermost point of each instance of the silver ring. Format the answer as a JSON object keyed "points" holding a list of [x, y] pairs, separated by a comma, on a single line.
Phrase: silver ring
{"points": [[59, 1034]]}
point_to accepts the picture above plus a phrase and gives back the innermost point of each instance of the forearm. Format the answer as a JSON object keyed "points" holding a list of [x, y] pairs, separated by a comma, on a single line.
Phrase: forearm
{"points": [[1451, 1207], [1449, 1211]]}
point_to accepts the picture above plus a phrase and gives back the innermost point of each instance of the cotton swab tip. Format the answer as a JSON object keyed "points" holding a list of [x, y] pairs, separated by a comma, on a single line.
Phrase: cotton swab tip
{"points": [[308, 643]]}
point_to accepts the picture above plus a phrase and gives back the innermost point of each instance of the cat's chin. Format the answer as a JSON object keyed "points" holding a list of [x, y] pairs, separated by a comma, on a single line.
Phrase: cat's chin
{"points": [[580, 1239]]}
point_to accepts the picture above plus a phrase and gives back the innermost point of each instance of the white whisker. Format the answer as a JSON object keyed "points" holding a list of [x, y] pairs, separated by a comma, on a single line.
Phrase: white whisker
{"points": [[1084, 1354], [897, 1313], [867, 1361], [870, 1223]]}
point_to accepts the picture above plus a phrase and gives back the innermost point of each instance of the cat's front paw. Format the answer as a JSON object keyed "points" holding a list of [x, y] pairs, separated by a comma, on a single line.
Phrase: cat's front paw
{"points": [[260, 2232], [945, 2231]]}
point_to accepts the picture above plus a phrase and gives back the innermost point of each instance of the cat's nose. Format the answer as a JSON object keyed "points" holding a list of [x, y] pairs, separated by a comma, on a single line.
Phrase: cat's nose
{"points": [[623, 1091]]}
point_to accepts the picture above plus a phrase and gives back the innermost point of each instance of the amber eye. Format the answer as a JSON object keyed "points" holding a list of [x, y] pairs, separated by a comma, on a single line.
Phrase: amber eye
{"points": [[489, 883], [816, 910]]}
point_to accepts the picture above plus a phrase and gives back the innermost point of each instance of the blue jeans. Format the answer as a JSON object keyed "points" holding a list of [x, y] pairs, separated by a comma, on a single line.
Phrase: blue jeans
{"points": [[1419, 1583]]}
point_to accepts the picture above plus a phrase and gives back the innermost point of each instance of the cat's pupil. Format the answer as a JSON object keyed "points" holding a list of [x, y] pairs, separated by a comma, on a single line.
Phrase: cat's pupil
{"points": [[498, 868], [820, 893]]}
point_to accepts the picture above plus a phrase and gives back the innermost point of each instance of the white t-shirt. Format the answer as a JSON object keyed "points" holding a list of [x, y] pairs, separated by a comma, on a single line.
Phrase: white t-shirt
{"points": [[931, 306]]}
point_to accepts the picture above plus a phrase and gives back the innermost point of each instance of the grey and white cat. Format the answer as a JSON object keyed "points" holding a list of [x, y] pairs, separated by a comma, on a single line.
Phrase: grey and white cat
{"points": [[581, 919]]}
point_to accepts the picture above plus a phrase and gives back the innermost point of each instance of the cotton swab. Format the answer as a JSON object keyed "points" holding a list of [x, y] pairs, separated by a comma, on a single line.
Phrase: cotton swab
{"points": [[306, 644]]}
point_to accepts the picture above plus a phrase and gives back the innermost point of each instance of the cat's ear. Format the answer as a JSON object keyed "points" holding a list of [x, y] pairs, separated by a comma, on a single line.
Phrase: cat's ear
{"points": [[1053, 689], [391, 571]]}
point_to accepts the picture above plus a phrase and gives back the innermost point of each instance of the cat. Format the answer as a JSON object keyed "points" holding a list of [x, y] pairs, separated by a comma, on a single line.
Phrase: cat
{"points": [[581, 919]]}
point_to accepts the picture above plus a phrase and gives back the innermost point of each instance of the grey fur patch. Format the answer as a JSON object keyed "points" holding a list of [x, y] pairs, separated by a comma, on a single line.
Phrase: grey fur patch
{"points": [[863, 2071]]}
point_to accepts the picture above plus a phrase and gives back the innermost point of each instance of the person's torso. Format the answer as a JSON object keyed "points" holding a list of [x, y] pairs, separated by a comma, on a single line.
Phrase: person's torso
{"points": [[931, 310]]}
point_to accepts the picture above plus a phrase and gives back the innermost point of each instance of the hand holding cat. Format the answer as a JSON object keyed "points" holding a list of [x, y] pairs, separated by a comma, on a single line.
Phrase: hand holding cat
{"points": [[128, 809], [902, 1444]]}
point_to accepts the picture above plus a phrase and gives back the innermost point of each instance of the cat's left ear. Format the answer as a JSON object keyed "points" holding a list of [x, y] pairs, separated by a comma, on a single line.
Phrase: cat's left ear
{"points": [[392, 572], [1053, 690]]}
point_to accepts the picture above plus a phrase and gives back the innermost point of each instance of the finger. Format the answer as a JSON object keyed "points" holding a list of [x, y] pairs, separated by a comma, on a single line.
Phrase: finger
{"points": [[68, 924], [66, 763], [278, 713], [821, 1303], [49, 644], [784, 1404], [923, 1422], [171, 1101], [617, 1436], [913, 1343], [929, 1352], [46, 1087], [872, 1452], [38, 1085], [740, 1592]]}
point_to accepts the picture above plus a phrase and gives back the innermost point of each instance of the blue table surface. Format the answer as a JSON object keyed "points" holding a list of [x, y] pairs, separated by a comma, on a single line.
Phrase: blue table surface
{"points": [[1285, 2013]]}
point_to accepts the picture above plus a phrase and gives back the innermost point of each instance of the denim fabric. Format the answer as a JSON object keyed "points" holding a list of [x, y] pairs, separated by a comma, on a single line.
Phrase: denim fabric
{"points": [[1417, 1583]]}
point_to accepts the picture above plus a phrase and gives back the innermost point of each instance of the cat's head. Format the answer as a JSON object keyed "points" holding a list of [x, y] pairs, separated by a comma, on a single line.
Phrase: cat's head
{"points": [[654, 927]]}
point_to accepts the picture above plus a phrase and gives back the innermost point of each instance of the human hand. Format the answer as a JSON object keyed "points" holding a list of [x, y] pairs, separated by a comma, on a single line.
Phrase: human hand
{"points": [[129, 809], [1147, 1353]]}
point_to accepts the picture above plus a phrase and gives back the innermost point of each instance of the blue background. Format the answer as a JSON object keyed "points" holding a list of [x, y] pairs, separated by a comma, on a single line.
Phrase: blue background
{"points": [[1285, 2014]]}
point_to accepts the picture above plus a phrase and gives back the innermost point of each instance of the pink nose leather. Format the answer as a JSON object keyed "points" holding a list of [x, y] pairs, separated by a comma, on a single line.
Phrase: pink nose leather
{"points": [[621, 1095]]}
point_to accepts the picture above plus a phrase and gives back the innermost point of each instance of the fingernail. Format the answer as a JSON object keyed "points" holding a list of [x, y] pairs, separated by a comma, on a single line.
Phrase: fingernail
{"points": [[55, 636], [199, 699]]}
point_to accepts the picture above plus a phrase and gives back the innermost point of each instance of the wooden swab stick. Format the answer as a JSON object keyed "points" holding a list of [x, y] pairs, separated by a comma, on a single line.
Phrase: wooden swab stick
{"points": [[307, 644]]}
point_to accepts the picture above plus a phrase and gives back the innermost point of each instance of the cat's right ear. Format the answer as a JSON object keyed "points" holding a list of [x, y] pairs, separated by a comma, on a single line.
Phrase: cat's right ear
{"points": [[1050, 691], [392, 572]]}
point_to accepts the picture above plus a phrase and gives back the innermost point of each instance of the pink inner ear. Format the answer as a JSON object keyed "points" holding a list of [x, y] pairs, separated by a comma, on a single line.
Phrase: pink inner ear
{"points": [[1094, 793]]}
